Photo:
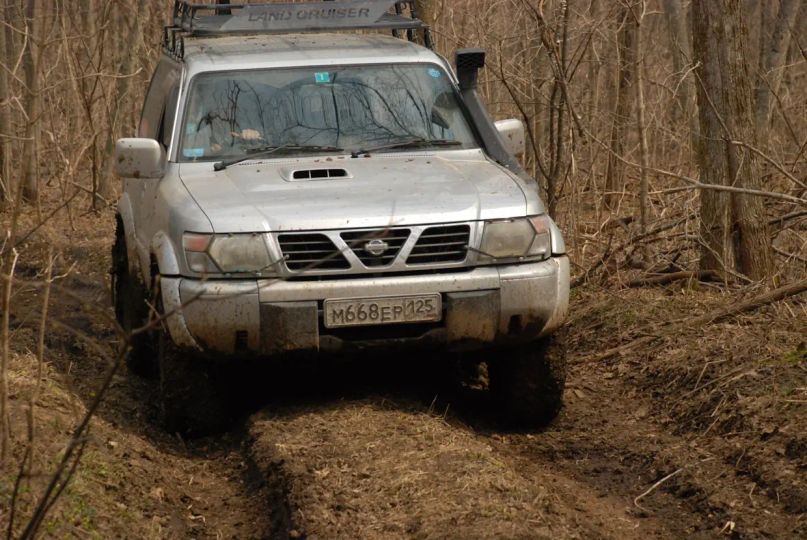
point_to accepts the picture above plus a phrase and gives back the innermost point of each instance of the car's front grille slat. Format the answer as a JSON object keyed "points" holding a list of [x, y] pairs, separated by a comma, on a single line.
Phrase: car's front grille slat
{"points": [[441, 244], [311, 251], [456, 252], [428, 234]]}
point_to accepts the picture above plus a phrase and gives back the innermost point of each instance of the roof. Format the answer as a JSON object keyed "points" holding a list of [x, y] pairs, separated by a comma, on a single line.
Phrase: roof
{"points": [[244, 52]]}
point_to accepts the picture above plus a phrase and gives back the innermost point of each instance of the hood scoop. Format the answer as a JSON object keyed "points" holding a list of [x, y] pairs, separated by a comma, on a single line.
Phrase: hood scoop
{"points": [[320, 173]]}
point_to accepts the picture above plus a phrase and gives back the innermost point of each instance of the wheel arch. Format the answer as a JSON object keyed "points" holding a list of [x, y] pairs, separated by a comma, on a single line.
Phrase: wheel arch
{"points": [[125, 228], [162, 254]]}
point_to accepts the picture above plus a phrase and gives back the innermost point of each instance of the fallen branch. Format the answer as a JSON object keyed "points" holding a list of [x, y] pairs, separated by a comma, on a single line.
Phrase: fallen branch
{"points": [[663, 279], [787, 217], [610, 252], [655, 333], [789, 256], [746, 305], [652, 488]]}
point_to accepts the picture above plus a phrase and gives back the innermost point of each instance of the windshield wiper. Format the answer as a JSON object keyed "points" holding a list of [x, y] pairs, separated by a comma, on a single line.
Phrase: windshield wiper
{"points": [[417, 142], [263, 151]]}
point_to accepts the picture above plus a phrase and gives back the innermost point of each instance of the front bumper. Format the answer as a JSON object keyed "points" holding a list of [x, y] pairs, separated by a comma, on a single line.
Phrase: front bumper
{"points": [[486, 305]]}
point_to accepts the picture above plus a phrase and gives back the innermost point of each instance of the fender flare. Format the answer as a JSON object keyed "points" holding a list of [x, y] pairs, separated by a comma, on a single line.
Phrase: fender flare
{"points": [[163, 253]]}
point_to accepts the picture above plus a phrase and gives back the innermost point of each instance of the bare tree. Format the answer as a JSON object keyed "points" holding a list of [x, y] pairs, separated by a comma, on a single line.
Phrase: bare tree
{"points": [[734, 225], [5, 118], [772, 59], [675, 14], [30, 184], [626, 38], [641, 121]]}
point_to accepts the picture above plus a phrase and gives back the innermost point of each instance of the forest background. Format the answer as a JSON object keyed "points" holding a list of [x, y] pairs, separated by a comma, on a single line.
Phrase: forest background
{"points": [[669, 139]]}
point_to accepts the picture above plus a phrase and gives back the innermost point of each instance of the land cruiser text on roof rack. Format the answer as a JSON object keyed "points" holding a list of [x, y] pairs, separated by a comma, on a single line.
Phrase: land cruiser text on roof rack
{"points": [[192, 19]]}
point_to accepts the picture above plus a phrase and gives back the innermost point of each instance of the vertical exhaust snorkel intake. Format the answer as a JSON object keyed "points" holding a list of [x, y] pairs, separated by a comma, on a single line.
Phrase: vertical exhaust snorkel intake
{"points": [[469, 62]]}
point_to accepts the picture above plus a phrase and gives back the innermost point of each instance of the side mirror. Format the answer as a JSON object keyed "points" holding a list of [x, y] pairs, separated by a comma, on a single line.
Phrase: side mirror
{"points": [[512, 133], [139, 158]]}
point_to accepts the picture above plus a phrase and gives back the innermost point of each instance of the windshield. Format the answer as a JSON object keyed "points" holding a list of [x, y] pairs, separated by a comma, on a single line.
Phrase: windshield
{"points": [[231, 114]]}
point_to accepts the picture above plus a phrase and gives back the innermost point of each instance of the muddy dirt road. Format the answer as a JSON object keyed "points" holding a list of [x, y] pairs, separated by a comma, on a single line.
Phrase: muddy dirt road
{"points": [[702, 435], [427, 460]]}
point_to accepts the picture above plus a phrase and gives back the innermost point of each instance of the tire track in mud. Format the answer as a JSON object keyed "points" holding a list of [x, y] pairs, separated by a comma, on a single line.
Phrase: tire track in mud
{"points": [[370, 469], [393, 460], [397, 456]]}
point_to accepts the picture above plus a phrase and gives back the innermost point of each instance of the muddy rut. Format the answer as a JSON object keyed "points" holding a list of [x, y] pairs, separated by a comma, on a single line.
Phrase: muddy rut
{"points": [[420, 459]]}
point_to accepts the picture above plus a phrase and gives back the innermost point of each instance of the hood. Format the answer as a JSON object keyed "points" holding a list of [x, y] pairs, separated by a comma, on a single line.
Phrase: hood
{"points": [[377, 191]]}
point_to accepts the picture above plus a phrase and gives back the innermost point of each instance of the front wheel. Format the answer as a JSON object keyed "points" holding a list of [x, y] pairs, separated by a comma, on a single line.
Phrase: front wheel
{"points": [[192, 396], [131, 311], [527, 382]]}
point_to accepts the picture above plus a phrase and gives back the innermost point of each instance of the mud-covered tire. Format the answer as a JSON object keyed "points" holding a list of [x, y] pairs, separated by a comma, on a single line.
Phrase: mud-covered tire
{"points": [[527, 382], [193, 398], [131, 310]]}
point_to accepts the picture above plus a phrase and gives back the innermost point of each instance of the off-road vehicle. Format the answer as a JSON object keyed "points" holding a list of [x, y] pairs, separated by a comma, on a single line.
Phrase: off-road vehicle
{"points": [[314, 177]]}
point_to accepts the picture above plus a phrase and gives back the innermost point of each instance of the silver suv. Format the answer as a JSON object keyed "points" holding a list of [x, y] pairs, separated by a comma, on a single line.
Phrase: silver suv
{"points": [[296, 188]]}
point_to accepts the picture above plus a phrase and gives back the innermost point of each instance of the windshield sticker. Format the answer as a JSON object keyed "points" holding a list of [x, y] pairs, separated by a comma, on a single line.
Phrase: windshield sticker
{"points": [[435, 73], [322, 77], [190, 129], [193, 152]]}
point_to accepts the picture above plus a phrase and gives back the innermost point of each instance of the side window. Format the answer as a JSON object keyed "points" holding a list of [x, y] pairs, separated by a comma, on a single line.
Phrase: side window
{"points": [[167, 124], [157, 119]]}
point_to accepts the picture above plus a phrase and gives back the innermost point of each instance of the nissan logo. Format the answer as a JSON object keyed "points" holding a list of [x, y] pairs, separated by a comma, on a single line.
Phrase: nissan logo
{"points": [[376, 247]]}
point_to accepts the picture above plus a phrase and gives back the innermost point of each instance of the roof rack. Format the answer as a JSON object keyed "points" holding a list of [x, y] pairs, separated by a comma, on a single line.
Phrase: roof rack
{"points": [[196, 19]]}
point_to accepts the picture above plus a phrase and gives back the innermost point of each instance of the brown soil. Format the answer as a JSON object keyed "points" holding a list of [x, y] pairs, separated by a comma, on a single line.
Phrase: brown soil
{"points": [[135, 480], [709, 424]]}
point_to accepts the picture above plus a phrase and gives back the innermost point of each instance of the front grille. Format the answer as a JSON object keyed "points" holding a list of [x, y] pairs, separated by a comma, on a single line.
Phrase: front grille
{"points": [[311, 251], [390, 243], [441, 244]]}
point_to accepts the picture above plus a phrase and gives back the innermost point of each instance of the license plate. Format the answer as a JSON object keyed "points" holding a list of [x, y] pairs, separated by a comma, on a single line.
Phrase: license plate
{"points": [[387, 310]]}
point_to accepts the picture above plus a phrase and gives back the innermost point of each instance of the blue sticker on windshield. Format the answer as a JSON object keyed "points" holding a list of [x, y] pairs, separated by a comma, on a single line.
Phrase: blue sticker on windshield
{"points": [[190, 129], [193, 152], [322, 77], [435, 73]]}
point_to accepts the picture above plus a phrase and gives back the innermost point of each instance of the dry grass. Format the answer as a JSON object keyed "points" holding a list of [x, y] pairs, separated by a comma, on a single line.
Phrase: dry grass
{"points": [[134, 480], [735, 390], [374, 469]]}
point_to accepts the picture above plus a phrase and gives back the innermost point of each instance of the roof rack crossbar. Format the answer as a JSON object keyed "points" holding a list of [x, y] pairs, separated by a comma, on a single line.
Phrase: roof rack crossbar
{"points": [[208, 19], [197, 19]]}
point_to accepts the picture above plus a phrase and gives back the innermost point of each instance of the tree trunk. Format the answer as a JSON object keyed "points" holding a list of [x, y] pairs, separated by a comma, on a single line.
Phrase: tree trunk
{"points": [[717, 253], [675, 16], [30, 184], [641, 127], [750, 222], [773, 57], [6, 188], [734, 227], [615, 170], [426, 12]]}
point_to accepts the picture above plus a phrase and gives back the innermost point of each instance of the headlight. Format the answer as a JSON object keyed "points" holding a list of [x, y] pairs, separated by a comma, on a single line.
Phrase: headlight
{"points": [[229, 254], [521, 238]]}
